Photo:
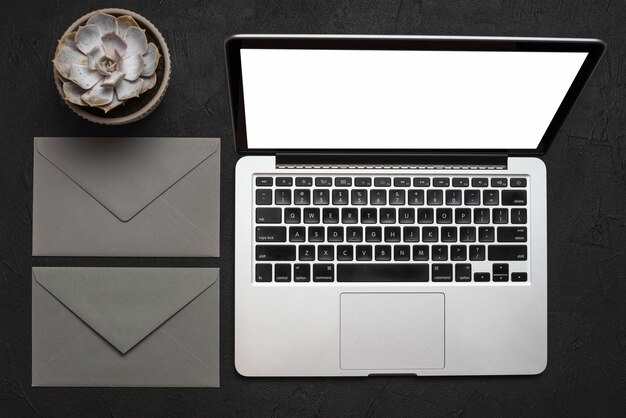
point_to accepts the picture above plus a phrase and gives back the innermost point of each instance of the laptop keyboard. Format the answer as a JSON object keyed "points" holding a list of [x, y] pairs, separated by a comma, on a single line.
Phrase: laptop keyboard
{"points": [[348, 229]]}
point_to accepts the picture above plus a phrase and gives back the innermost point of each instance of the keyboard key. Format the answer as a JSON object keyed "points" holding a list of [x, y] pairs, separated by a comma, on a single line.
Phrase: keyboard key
{"points": [[463, 215], [500, 272], [439, 252], [268, 215], [325, 253], [359, 197], [491, 197], [519, 277], [481, 216], [340, 197], [458, 253], [330, 215], [264, 197], [369, 216], [460, 182], [512, 234], [382, 252], [421, 182], [444, 216], [344, 253], [472, 197], [282, 272], [396, 197], [304, 181], [373, 234], [334, 234], [402, 253], [453, 197], [513, 197], [411, 234], [518, 216], [306, 253], [282, 196], [392, 234], [349, 215], [448, 234], [263, 273], [378, 197], [442, 272], [323, 273], [518, 182], [508, 252], [388, 216], [364, 253], [467, 234], [302, 197], [402, 182], [441, 182], [343, 182], [271, 234], [284, 181], [311, 215], [264, 181], [463, 272], [406, 215], [481, 277], [425, 216], [420, 253], [434, 197], [500, 216], [415, 197], [387, 272], [323, 181], [498, 182], [297, 234], [382, 181], [480, 182], [316, 234], [486, 234], [430, 234], [363, 182], [275, 252], [321, 196], [292, 215], [477, 252], [354, 234], [301, 273]]}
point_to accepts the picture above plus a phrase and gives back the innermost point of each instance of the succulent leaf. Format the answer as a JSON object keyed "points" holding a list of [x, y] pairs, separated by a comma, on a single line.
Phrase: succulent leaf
{"points": [[113, 79], [65, 57], [73, 92], [123, 23], [151, 60], [113, 45], [105, 22], [114, 103], [132, 67], [94, 57], [136, 41], [67, 40], [128, 89], [148, 83], [99, 95], [87, 38], [83, 76]]}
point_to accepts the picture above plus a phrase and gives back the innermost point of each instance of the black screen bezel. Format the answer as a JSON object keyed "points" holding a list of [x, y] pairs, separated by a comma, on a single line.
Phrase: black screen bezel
{"points": [[234, 44]]}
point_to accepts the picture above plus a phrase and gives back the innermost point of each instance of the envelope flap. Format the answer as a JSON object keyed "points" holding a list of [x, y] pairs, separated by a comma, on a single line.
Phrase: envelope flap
{"points": [[125, 174], [125, 305]]}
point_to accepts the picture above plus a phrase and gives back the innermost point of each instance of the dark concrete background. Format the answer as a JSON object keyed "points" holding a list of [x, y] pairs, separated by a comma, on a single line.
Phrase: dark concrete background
{"points": [[586, 372]]}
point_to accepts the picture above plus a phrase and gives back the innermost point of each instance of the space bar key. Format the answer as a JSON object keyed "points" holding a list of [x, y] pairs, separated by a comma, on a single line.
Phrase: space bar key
{"points": [[395, 272]]}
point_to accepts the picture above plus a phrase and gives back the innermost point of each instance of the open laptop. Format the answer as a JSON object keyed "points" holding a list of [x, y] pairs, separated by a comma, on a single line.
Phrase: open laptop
{"points": [[390, 202]]}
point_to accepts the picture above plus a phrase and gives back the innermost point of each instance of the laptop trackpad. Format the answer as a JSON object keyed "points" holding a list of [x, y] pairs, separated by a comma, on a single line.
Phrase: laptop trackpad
{"points": [[386, 331]]}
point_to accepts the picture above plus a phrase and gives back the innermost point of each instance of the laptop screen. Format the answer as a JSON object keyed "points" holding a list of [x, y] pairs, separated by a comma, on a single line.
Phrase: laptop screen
{"points": [[402, 99]]}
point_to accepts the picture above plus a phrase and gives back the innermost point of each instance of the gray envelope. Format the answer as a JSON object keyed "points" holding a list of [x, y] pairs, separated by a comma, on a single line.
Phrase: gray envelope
{"points": [[125, 327], [141, 197]]}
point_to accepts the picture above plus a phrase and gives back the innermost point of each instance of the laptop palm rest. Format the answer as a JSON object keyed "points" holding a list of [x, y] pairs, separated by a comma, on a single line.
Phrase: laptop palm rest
{"points": [[392, 331]]}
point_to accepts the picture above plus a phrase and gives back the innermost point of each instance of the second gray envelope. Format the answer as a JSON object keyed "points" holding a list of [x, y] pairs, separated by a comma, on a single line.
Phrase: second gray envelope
{"points": [[141, 197]]}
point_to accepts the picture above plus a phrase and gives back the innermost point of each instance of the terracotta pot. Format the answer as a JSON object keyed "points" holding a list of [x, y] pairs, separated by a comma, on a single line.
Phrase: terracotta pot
{"points": [[125, 114]]}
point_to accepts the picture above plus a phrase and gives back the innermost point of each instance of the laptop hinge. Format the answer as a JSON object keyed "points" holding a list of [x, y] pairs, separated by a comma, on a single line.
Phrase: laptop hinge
{"points": [[491, 161]]}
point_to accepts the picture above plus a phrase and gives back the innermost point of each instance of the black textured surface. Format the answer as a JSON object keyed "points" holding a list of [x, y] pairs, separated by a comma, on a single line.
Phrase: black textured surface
{"points": [[586, 372]]}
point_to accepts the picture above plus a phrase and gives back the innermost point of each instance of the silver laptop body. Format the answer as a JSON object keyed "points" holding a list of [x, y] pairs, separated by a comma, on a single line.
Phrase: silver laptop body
{"points": [[390, 206]]}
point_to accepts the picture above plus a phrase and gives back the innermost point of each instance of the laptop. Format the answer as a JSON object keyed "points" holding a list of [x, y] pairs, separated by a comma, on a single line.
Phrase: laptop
{"points": [[391, 203]]}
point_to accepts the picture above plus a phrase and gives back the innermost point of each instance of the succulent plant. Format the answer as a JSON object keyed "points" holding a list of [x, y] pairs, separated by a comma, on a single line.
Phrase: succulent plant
{"points": [[106, 62]]}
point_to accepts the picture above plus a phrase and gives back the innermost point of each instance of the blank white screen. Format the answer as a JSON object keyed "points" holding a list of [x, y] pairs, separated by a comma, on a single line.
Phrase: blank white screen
{"points": [[360, 99]]}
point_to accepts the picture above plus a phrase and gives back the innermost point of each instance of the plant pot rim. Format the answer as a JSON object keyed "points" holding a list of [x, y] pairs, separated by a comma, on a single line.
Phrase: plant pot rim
{"points": [[162, 85]]}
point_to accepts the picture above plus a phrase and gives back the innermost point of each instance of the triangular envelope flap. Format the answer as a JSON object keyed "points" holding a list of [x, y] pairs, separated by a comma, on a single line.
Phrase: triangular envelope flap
{"points": [[125, 305], [125, 174]]}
